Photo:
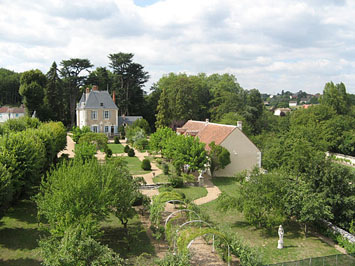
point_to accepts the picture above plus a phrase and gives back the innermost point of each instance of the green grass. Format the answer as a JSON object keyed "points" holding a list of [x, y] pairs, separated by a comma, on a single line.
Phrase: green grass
{"points": [[296, 245], [19, 234], [116, 148], [129, 244], [134, 166], [193, 193], [161, 179]]}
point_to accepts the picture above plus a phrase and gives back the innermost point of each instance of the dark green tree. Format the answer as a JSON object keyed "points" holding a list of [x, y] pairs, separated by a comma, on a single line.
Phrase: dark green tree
{"points": [[219, 157], [129, 79], [54, 94], [32, 87], [9, 87], [73, 78], [335, 95]]}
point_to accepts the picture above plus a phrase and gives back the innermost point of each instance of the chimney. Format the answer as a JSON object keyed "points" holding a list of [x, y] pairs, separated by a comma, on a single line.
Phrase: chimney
{"points": [[95, 88], [87, 92], [240, 125], [114, 97]]}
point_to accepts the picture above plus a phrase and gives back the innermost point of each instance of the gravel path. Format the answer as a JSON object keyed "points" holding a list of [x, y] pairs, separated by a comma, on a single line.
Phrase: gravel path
{"points": [[69, 149]]}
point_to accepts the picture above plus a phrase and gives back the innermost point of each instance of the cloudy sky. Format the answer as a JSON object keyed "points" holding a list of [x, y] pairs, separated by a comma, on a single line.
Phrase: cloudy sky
{"points": [[268, 45]]}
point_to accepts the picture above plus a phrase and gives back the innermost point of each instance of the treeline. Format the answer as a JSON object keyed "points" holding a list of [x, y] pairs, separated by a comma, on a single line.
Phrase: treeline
{"points": [[53, 95], [28, 148]]}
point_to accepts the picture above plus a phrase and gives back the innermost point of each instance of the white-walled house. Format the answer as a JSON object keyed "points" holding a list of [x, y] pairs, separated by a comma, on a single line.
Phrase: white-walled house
{"points": [[244, 154], [97, 110], [7, 113]]}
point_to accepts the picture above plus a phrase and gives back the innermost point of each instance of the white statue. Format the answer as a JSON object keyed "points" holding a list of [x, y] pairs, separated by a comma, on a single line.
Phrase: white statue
{"points": [[280, 243]]}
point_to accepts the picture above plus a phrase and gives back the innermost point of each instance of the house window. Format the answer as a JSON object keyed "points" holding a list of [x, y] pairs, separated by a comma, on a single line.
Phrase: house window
{"points": [[94, 129], [16, 115], [106, 129], [106, 114], [94, 115]]}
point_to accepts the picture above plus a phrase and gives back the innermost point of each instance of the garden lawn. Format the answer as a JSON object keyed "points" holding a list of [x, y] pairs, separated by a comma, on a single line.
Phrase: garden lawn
{"points": [[296, 245], [134, 166], [116, 148], [129, 244], [193, 193], [19, 235], [161, 179]]}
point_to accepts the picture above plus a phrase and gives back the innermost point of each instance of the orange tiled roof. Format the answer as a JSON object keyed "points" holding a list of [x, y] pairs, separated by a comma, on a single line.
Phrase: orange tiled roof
{"points": [[208, 132], [6, 109]]}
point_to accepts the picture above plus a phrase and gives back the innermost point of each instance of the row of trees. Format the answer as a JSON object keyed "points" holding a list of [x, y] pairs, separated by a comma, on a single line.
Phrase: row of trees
{"points": [[183, 97], [28, 148], [54, 95]]}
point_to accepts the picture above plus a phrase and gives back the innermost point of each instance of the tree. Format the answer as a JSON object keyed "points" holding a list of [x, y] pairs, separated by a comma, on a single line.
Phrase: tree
{"points": [[32, 84], [71, 72], [336, 97], [219, 157], [129, 78], [9, 87], [101, 77], [54, 94]]}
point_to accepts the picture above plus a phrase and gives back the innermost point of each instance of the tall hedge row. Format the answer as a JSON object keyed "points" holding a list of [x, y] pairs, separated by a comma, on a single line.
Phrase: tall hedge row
{"points": [[27, 150]]}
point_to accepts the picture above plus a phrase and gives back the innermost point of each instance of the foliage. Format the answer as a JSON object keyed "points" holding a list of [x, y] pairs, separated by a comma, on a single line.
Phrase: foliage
{"points": [[121, 130], [98, 139], [117, 140], [10, 83], [349, 247], [84, 152], [179, 259], [32, 86], [219, 157], [78, 132], [142, 144], [72, 75], [126, 148], [146, 165], [131, 153], [143, 124], [128, 79], [165, 169], [336, 97], [176, 181], [135, 135], [108, 153], [20, 124], [76, 247], [54, 95], [159, 139]]}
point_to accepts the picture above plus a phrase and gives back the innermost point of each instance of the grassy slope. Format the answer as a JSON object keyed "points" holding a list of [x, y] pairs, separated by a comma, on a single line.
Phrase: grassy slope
{"points": [[134, 165], [296, 246]]}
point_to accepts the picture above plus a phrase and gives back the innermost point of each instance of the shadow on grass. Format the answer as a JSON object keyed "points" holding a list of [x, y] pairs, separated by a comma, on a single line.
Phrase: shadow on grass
{"points": [[19, 238], [130, 243], [20, 262], [24, 210], [242, 224]]}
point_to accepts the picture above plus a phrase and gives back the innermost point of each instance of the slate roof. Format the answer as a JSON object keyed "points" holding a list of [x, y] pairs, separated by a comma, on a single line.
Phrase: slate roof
{"points": [[97, 100], [13, 110], [128, 119], [207, 132]]}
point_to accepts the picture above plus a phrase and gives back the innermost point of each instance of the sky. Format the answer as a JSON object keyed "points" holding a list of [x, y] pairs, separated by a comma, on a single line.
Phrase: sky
{"points": [[268, 45]]}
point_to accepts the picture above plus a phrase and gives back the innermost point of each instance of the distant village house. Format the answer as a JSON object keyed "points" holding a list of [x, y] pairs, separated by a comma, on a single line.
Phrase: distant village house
{"points": [[7, 113]]}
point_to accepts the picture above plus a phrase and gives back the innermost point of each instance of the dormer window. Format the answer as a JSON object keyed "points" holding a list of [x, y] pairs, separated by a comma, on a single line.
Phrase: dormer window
{"points": [[101, 104]]}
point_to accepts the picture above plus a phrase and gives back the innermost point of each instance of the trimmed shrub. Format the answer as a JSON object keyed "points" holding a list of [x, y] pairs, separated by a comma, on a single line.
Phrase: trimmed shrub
{"points": [[176, 181], [117, 140], [142, 144], [99, 139], [108, 153], [165, 169], [146, 165], [126, 148], [131, 153]]}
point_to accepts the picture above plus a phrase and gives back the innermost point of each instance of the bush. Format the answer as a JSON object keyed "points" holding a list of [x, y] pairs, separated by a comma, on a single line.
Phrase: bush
{"points": [[176, 181], [165, 169], [142, 144], [126, 148], [84, 152], [188, 177], [180, 259], [108, 153], [146, 165], [131, 153], [117, 140], [99, 139]]}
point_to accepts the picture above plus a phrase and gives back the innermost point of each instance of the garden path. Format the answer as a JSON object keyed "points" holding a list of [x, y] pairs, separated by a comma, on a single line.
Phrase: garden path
{"points": [[69, 148]]}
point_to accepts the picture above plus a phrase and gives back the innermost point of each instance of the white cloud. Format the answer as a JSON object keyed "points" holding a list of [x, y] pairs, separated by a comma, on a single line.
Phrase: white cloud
{"points": [[268, 45]]}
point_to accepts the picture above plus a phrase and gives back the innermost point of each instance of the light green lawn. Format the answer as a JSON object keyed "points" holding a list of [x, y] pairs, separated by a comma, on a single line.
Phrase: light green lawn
{"points": [[296, 246], [134, 166], [116, 148]]}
